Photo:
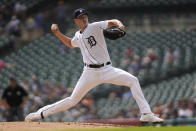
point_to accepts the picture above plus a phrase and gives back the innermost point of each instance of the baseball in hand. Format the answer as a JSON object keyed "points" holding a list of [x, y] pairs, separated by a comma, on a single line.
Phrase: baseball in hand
{"points": [[54, 27]]}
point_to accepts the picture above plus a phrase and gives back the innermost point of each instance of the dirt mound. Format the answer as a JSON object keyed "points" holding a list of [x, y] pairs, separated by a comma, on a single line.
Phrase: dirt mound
{"points": [[39, 126]]}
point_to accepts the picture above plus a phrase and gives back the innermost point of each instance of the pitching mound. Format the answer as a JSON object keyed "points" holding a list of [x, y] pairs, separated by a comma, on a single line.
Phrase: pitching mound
{"points": [[49, 126]]}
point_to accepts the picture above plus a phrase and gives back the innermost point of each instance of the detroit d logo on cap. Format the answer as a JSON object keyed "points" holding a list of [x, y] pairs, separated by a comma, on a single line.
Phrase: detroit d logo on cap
{"points": [[91, 41]]}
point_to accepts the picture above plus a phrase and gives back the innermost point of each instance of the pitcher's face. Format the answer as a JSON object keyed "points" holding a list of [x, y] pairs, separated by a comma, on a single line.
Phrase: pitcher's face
{"points": [[82, 21]]}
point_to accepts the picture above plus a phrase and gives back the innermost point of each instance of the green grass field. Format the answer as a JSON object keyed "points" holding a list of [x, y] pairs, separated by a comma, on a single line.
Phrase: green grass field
{"points": [[181, 128]]}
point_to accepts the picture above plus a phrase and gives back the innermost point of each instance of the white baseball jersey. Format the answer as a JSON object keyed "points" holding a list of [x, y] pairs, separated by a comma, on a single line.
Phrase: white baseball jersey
{"points": [[92, 43], [94, 51]]}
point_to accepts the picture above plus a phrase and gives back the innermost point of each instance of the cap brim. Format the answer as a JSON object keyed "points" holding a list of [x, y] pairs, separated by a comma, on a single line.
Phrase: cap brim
{"points": [[81, 14]]}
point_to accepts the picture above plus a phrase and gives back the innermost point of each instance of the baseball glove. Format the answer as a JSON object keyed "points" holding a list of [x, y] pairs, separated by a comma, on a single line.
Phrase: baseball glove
{"points": [[113, 33]]}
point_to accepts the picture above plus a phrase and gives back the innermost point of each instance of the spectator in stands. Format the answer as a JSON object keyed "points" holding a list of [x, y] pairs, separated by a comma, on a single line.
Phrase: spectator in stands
{"points": [[30, 27], [39, 20], [183, 110], [60, 12], [13, 27], [169, 111], [35, 85], [171, 56], [35, 101], [152, 55], [146, 64], [20, 10], [128, 58], [14, 98], [135, 66], [25, 84], [5, 65], [149, 59], [158, 109]]}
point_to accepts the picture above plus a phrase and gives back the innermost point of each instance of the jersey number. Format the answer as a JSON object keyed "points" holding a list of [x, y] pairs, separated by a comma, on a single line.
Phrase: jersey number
{"points": [[91, 41]]}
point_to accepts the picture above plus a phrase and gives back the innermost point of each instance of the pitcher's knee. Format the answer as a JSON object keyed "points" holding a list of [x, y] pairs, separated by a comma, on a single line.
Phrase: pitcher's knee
{"points": [[134, 79]]}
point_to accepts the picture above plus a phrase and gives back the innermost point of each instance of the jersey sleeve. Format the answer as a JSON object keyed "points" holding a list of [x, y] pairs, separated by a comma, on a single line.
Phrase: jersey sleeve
{"points": [[74, 42], [101, 24]]}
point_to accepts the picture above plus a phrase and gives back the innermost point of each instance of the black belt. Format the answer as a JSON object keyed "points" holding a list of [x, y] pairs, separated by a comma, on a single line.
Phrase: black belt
{"points": [[97, 66]]}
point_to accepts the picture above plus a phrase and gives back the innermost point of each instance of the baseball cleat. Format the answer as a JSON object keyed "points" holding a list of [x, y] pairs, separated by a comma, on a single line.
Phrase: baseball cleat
{"points": [[35, 116], [150, 118]]}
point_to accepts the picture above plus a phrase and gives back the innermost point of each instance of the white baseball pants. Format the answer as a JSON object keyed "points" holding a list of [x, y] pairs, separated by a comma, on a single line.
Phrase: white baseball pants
{"points": [[92, 77]]}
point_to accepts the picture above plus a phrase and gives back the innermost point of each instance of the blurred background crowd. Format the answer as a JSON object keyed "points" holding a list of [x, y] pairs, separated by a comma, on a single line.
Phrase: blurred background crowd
{"points": [[159, 49]]}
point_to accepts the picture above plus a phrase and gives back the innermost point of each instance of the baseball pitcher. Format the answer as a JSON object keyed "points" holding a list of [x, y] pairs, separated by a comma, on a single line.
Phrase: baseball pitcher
{"points": [[98, 67]]}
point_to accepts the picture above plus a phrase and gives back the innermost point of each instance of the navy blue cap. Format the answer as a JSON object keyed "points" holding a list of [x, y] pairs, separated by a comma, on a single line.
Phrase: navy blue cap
{"points": [[79, 12]]}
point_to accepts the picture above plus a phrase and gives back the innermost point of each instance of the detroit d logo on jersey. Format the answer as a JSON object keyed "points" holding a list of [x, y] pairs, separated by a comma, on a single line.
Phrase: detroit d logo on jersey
{"points": [[91, 41]]}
